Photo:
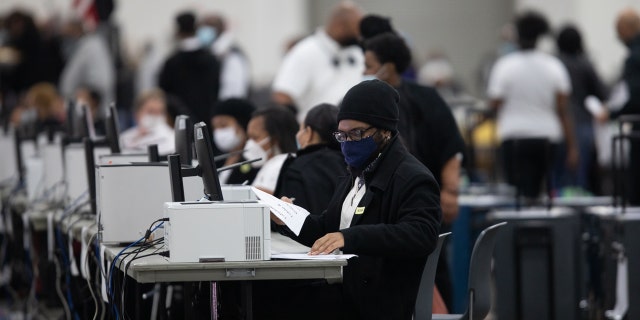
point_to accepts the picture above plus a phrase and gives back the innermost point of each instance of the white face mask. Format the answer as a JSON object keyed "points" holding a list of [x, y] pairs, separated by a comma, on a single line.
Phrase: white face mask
{"points": [[253, 150], [376, 76], [226, 138], [367, 77], [151, 122]]}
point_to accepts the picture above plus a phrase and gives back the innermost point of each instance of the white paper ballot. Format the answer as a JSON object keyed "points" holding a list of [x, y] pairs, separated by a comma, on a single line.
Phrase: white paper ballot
{"points": [[283, 244], [304, 256], [292, 215]]}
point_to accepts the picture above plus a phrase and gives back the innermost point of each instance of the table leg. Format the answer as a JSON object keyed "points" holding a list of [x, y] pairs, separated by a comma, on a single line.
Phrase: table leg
{"points": [[187, 293], [246, 288], [138, 299], [162, 304]]}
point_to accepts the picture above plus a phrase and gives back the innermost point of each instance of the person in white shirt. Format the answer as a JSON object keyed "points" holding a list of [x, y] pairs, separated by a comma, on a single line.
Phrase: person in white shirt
{"points": [[90, 65], [235, 71], [272, 136], [323, 66], [152, 128], [529, 90]]}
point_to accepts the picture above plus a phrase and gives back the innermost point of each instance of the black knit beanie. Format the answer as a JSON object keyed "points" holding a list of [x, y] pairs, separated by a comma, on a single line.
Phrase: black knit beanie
{"points": [[240, 109], [372, 101]]}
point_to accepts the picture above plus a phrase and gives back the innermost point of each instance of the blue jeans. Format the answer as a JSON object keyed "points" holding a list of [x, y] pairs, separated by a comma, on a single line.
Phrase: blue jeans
{"points": [[586, 148]]}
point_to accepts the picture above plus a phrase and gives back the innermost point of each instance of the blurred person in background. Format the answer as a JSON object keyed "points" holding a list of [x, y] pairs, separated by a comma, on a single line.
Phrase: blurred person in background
{"points": [[312, 174], [529, 90], [235, 70], [272, 135], [91, 98], [584, 82], [191, 74], [49, 106], [437, 72], [229, 122], [71, 32], [426, 126], [23, 37], [323, 66], [372, 25], [150, 113], [90, 65], [53, 60], [628, 28]]}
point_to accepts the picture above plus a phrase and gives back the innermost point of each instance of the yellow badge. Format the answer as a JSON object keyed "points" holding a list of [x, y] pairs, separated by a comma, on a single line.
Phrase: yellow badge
{"points": [[359, 210], [245, 168]]}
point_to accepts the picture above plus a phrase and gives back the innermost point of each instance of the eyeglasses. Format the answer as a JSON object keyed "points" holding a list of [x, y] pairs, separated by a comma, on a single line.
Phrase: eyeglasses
{"points": [[353, 135]]}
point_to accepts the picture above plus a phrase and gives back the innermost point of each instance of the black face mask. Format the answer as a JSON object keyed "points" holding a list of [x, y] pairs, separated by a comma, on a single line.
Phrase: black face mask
{"points": [[351, 41]]}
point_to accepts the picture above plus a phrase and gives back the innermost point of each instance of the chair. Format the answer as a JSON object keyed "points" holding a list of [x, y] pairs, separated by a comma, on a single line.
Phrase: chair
{"points": [[425, 291], [479, 277]]}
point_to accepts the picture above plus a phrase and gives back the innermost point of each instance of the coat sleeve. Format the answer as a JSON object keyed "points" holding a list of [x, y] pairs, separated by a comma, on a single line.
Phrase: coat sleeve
{"points": [[413, 234], [452, 142], [632, 78], [293, 186], [164, 77], [316, 226]]}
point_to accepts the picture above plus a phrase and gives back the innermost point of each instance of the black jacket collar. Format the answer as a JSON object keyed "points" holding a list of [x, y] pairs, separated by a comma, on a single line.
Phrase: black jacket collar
{"points": [[311, 149]]}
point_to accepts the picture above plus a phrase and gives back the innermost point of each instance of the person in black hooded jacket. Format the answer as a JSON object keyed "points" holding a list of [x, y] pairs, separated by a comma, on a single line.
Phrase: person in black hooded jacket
{"points": [[311, 175], [387, 211]]}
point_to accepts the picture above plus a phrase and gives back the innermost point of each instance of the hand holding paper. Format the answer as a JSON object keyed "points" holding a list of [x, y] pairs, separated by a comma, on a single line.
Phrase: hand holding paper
{"points": [[291, 215]]}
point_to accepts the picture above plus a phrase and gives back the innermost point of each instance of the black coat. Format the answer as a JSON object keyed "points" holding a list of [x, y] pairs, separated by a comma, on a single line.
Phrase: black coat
{"points": [[392, 237], [244, 173], [427, 127], [192, 77], [311, 177]]}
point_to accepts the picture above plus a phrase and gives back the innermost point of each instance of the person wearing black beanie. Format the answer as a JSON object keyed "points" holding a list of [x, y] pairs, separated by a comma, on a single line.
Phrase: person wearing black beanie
{"points": [[229, 123], [374, 102], [386, 211]]}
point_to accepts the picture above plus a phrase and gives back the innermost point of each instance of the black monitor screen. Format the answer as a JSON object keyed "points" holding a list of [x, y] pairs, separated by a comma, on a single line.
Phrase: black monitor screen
{"points": [[204, 151], [83, 123], [112, 130], [183, 130], [71, 119]]}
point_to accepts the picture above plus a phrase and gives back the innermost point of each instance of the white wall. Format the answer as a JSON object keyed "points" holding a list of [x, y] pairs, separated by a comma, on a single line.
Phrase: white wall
{"points": [[262, 27], [596, 20]]}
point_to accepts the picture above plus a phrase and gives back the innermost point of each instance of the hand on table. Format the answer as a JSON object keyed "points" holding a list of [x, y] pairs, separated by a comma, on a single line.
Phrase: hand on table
{"points": [[327, 244]]}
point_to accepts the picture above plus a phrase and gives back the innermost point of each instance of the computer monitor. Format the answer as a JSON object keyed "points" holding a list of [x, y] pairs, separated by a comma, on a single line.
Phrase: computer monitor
{"points": [[86, 123], [183, 131], [112, 130], [71, 119], [204, 151]]}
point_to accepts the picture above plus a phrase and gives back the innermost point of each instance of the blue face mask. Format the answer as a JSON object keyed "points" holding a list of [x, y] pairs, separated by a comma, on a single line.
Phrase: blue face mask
{"points": [[206, 35], [356, 153]]}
